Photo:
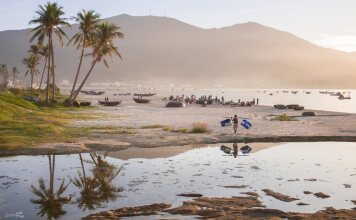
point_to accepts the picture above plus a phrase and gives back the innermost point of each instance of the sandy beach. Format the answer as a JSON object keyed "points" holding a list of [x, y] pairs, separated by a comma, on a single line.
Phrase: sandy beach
{"points": [[141, 125]]}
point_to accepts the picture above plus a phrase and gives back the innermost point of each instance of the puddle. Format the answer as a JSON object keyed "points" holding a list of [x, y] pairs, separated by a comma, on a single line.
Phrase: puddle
{"points": [[98, 182]]}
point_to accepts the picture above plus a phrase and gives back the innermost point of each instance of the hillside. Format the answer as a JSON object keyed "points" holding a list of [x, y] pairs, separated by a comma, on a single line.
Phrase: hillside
{"points": [[165, 50]]}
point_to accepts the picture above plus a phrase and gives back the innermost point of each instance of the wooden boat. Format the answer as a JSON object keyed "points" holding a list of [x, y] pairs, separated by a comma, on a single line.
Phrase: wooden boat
{"points": [[175, 104], [292, 106], [141, 100], [92, 92], [279, 106], [109, 103], [85, 103], [144, 94], [298, 108]]}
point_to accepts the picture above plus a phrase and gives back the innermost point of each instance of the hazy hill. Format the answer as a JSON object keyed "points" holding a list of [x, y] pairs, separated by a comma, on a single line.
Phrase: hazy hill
{"points": [[165, 50]]}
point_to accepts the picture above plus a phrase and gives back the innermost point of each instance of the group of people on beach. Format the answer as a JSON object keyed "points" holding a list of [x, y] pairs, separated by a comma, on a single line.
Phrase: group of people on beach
{"points": [[205, 100]]}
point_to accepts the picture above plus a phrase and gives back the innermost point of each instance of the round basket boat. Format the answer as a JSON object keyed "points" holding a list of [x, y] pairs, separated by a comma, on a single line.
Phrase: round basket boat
{"points": [[175, 104]]}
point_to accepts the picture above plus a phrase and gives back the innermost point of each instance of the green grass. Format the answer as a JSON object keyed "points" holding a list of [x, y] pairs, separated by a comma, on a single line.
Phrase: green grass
{"points": [[283, 117], [24, 123], [153, 126]]}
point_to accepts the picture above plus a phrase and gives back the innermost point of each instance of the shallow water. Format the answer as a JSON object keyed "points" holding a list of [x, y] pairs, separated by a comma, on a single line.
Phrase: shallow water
{"points": [[202, 170]]}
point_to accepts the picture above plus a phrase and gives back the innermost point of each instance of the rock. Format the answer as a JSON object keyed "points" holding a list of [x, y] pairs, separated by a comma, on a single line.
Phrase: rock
{"points": [[279, 196], [250, 193], [190, 195], [321, 195], [347, 185], [307, 192], [236, 187], [302, 204], [309, 114]]}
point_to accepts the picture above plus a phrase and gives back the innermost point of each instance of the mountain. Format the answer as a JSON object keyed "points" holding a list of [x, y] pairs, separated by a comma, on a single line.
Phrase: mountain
{"points": [[165, 50]]}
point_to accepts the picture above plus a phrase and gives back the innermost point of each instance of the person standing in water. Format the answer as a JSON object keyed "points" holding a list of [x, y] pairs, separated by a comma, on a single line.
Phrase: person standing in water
{"points": [[235, 122]]}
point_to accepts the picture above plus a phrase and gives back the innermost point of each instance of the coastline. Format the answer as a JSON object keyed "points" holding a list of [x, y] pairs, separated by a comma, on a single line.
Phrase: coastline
{"points": [[126, 127]]}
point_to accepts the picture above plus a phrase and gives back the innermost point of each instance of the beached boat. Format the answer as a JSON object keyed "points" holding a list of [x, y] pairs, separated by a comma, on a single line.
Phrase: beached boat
{"points": [[85, 103], [308, 93], [298, 108], [293, 106], [175, 104], [141, 100], [109, 103], [92, 92], [123, 94], [144, 94], [279, 106]]}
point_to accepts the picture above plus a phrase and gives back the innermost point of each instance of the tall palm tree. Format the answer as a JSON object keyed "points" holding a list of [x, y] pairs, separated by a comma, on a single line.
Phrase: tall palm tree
{"points": [[4, 72], [88, 22], [44, 53], [31, 62], [103, 46], [14, 74], [49, 23]]}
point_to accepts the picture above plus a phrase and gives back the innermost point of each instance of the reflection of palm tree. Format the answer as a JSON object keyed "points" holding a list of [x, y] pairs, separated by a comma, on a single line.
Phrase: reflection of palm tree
{"points": [[50, 202], [88, 189], [106, 173], [99, 188]]}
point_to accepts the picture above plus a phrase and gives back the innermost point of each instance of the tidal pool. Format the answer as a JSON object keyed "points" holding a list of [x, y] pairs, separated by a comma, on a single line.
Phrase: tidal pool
{"points": [[73, 186]]}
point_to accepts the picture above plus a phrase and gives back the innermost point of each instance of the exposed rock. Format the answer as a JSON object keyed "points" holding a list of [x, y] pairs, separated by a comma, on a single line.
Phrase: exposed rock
{"points": [[145, 210], [347, 185], [307, 192], [190, 195], [250, 193], [309, 114], [302, 204], [236, 187], [321, 195], [279, 196]]}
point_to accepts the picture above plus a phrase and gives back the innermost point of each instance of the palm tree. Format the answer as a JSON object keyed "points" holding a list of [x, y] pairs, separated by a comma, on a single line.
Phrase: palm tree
{"points": [[49, 23], [31, 64], [44, 53], [14, 74], [4, 72], [88, 22], [103, 46]]}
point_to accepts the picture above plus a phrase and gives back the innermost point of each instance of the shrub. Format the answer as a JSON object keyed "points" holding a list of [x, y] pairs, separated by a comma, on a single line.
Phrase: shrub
{"points": [[200, 127]]}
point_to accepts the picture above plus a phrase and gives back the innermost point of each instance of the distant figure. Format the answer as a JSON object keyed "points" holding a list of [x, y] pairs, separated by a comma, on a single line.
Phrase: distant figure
{"points": [[235, 121], [235, 147], [222, 99], [257, 101]]}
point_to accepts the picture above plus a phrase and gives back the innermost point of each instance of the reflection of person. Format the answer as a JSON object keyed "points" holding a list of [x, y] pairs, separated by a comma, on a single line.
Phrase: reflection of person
{"points": [[235, 149], [235, 121]]}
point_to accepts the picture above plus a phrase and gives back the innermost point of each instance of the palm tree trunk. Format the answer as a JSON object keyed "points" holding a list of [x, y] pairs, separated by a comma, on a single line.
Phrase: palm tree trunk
{"points": [[78, 70], [48, 69], [44, 68], [53, 79], [31, 79], [84, 80]]}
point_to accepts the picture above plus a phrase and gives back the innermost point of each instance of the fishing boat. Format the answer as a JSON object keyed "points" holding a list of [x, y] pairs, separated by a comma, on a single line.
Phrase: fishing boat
{"points": [[141, 100], [92, 92], [144, 94], [109, 103]]}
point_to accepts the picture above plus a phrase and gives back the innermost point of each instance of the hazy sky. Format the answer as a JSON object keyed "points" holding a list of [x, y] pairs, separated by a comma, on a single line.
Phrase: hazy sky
{"points": [[329, 23]]}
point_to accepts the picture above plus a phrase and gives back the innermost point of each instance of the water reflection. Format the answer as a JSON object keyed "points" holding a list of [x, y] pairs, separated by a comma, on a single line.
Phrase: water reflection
{"points": [[50, 201], [234, 151], [95, 187]]}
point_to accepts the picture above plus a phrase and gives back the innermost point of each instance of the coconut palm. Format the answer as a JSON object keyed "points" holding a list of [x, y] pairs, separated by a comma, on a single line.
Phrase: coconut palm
{"points": [[49, 23], [44, 53], [102, 46], [4, 72], [31, 62], [49, 200], [88, 22], [14, 74]]}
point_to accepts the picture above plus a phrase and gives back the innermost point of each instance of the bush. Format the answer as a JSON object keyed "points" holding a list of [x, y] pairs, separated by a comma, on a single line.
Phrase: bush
{"points": [[283, 117], [200, 127]]}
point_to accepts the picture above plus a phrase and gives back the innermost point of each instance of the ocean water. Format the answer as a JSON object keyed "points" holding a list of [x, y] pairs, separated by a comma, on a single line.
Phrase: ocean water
{"points": [[269, 97]]}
